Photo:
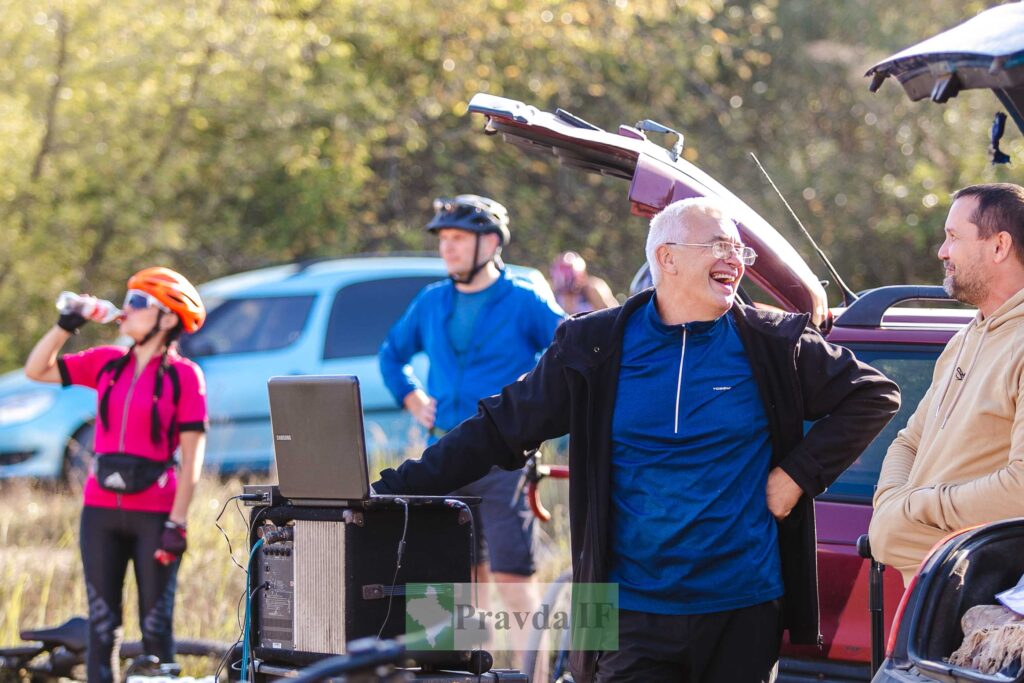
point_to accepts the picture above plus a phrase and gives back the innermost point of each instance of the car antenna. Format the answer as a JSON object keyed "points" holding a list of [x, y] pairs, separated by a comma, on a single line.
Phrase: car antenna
{"points": [[848, 295]]}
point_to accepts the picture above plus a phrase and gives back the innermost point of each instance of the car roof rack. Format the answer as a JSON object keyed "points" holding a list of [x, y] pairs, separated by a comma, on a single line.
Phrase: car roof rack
{"points": [[868, 309]]}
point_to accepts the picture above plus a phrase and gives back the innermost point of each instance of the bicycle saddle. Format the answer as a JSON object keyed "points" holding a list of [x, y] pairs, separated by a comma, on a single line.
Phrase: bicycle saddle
{"points": [[71, 634]]}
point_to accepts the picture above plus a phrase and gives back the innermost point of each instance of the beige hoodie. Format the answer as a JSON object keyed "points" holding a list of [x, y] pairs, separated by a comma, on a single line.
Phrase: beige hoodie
{"points": [[959, 461]]}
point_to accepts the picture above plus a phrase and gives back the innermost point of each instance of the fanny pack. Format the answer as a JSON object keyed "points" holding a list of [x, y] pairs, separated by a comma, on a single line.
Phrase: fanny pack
{"points": [[124, 473]]}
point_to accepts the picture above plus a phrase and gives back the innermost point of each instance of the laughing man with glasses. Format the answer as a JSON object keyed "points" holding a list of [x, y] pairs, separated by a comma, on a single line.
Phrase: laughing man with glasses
{"points": [[692, 481]]}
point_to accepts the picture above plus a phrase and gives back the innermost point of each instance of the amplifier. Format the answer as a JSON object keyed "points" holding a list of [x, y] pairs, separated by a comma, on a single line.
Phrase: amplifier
{"points": [[327, 576]]}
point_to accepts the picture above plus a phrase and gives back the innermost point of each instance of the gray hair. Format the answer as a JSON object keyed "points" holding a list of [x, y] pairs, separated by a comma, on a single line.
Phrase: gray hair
{"points": [[673, 224]]}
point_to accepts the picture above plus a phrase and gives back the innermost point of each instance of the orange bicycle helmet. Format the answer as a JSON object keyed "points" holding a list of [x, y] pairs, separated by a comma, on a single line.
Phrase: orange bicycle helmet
{"points": [[173, 291]]}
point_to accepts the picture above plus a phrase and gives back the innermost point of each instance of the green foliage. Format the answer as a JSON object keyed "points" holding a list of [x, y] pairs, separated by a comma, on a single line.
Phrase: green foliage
{"points": [[216, 135]]}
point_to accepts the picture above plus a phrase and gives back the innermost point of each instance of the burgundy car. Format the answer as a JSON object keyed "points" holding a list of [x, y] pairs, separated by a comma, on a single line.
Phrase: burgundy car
{"points": [[985, 52], [902, 342]]}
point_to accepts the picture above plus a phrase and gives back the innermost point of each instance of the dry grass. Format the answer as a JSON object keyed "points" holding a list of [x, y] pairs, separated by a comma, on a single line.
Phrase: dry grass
{"points": [[41, 575]]}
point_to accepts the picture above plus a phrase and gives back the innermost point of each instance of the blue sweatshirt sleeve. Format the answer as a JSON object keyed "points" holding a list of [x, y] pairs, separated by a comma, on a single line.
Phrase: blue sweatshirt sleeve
{"points": [[402, 343]]}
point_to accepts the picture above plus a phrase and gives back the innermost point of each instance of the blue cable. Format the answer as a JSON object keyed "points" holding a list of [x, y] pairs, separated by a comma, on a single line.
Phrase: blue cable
{"points": [[248, 611]]}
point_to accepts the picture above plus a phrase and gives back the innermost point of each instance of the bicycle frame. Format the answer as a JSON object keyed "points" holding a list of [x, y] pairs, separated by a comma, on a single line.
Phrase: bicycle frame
{"points": [[557, 669]]}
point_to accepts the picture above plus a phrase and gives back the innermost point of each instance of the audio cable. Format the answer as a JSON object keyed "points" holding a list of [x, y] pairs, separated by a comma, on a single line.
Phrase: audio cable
{"points": [[398, 564], [246, 640]]}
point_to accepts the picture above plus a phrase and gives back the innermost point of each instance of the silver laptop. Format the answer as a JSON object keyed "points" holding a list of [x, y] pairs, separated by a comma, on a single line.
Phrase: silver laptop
{"points": [[319, 446]]}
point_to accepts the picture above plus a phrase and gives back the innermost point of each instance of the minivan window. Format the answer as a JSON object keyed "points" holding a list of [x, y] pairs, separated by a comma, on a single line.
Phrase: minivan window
{"points": [[250, 325], [912, 371], [363, 313]]}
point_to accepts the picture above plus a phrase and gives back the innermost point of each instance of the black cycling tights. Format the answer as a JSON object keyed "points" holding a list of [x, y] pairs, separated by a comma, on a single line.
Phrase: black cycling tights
{"points": [[110, 538]]}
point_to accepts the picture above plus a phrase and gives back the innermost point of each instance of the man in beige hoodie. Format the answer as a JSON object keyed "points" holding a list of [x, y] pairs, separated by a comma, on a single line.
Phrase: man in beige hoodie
{"points": [[960, 460]]}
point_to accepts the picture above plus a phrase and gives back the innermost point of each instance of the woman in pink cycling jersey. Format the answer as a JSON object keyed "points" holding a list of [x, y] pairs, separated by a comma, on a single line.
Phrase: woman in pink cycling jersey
{"points": [[150, 401]]}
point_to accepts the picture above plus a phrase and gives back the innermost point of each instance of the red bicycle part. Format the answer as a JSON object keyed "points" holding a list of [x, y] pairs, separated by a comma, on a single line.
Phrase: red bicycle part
{"points": [[533, 493]]}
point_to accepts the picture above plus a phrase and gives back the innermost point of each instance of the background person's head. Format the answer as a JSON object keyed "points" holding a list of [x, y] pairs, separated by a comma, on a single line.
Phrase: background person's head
{"points": [[471, 232], [685, 263], [568, 272], [983, 249], [160, 303]]}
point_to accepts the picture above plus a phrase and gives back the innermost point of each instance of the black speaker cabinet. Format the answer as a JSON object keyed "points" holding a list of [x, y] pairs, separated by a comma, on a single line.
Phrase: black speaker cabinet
{"points": [[327, 576]]}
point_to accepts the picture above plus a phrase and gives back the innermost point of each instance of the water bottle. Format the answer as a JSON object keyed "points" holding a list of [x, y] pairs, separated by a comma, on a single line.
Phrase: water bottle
{"points": [[89, 307]]}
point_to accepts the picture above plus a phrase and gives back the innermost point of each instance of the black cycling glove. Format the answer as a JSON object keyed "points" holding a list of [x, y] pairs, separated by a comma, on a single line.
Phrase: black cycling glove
{"points": [[172, 543], [71, 322]]}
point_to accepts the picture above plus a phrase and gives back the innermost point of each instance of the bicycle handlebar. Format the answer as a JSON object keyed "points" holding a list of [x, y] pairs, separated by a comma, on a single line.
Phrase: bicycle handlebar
{"points": [[534, 473], [365, 656]]}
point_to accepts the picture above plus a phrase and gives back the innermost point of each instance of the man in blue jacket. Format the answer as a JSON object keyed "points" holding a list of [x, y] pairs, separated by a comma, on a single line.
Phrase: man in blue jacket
{"points": [[481, 329], [691, 477]]}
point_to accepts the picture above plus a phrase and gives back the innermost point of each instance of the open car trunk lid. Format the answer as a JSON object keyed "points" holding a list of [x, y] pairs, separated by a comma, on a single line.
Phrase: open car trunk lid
{"points": [[967, 571], [657, 179], [984, 52]]}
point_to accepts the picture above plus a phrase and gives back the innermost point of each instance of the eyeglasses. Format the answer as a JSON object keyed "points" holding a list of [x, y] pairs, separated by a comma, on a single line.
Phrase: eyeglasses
{"points": [[138, 300], [723, 250]]}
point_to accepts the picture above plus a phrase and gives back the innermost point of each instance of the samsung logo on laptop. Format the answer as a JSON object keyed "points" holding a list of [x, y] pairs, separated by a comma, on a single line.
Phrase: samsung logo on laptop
{"points": [[283, 437]]}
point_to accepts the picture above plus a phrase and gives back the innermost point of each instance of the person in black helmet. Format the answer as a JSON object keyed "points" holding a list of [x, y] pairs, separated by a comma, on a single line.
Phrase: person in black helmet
{"points": [[481, 329]]}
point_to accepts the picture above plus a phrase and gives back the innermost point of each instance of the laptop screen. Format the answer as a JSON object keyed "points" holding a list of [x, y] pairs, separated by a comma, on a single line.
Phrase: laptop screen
{"points": [[319, 447]]}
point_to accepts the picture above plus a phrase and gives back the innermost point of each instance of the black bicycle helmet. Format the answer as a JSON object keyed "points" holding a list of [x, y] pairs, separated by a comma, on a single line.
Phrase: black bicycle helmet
{"points": [[473, 213]]}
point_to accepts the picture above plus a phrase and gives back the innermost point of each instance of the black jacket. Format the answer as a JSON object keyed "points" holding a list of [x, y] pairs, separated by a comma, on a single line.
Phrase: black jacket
{"points": [[572, 390]]}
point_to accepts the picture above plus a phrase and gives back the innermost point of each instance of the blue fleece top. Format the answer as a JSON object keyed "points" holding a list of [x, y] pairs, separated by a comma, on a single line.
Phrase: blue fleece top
{"points": [[515, 324], [691, 530]]}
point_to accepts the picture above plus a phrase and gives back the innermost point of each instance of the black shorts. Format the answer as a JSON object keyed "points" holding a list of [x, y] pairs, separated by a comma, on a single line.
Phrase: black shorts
{"points": [[504, 524]]}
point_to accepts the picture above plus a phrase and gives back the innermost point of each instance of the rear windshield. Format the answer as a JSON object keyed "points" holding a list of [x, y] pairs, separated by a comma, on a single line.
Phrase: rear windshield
{"points": [[911, 368], [248, 325]]}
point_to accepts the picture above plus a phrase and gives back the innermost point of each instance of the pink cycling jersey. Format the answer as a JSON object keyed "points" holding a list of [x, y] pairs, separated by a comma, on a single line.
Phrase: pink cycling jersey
{"points": [[128, 428]]}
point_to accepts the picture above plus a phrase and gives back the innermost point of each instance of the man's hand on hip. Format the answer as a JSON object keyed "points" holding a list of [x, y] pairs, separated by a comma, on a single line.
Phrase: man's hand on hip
{"points": [[782, 493], [422, 407]]}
